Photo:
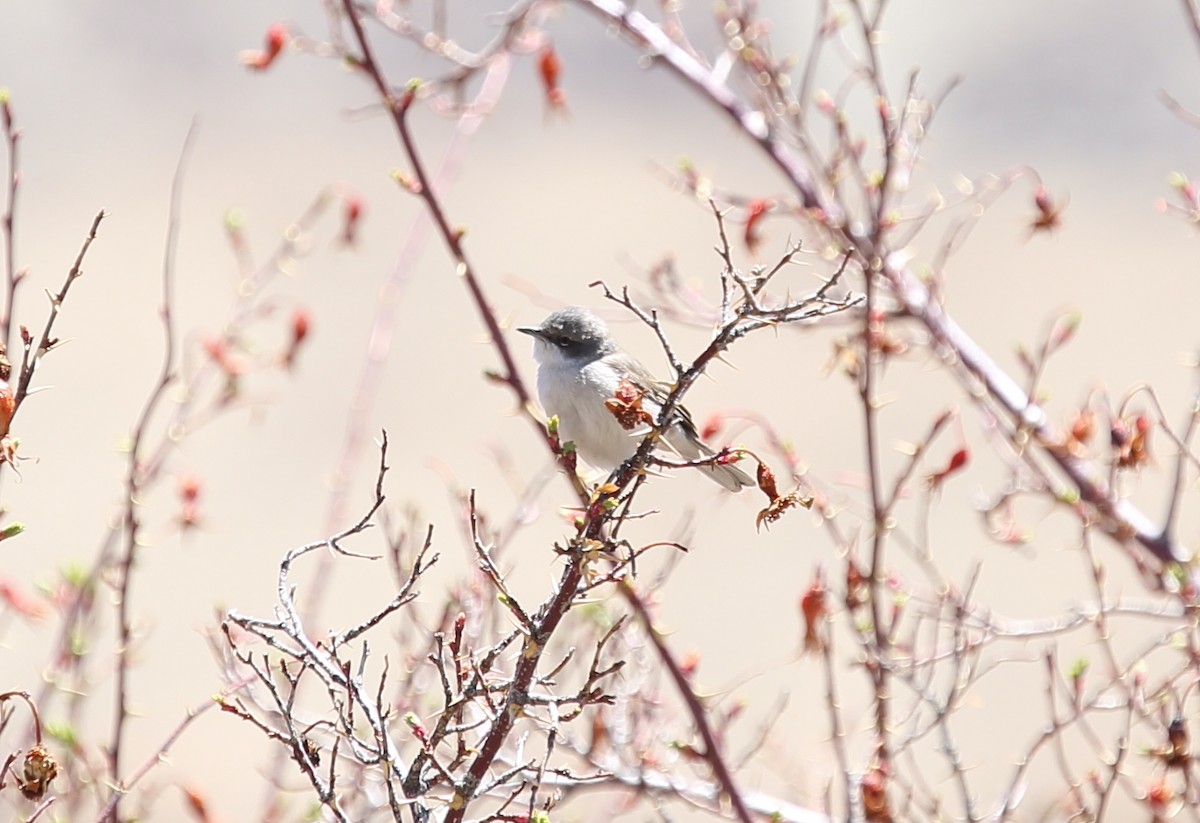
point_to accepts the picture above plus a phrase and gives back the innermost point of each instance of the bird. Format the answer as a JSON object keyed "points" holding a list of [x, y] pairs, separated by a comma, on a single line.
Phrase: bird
{"points": [[582, 373]]}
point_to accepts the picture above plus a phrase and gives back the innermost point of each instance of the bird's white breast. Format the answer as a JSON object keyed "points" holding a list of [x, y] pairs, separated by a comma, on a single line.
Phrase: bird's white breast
{"points": [[577, 396]]}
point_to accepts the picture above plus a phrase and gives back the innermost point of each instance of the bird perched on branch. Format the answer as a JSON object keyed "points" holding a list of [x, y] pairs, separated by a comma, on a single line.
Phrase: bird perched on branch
{"points": [[606, 401]]}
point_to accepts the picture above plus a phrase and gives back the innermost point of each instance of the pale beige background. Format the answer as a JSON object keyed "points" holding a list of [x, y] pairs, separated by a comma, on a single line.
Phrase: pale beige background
{"points": [[104, 93]]}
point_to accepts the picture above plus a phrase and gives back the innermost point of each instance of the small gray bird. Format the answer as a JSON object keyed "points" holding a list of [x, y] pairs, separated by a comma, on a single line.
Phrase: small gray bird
{"points": [[580, 367]]}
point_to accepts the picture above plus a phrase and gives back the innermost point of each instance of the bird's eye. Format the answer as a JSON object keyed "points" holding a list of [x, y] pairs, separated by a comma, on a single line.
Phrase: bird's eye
{"points": [[563, 340]]}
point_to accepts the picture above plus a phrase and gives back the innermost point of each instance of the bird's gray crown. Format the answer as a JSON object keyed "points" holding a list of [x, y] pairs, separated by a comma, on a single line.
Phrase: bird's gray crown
{"points": [[575, 331]]}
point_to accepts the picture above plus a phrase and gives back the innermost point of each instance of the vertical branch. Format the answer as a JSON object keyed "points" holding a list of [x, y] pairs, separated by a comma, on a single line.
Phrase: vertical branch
{"points": [[1182, 458], [133, 483], [518, 691], [12, 177], [837, 730], [888, 131], [878, 510]]}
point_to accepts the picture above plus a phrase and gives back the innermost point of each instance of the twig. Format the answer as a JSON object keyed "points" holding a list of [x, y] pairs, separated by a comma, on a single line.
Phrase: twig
{"points": [[160, 753], [712, 748], [877, 668], [12, 137], [399, 107], [33, 710], [32, 357], [380, 336], [133, 483]]}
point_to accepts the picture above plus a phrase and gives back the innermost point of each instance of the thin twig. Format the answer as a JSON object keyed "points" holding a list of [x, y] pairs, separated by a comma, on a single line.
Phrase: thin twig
{"points": [[32, 357], [12, 137], [160, 753], [712, 748], [133, 483]]}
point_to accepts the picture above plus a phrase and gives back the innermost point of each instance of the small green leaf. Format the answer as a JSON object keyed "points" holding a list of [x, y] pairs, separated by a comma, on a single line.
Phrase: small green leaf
{"points": [[235, 219], [61, 731]]}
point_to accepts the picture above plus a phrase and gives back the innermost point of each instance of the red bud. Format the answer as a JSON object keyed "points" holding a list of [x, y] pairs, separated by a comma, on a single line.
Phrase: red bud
{"points": [[352, 211], [276, 39], [549, 67]]}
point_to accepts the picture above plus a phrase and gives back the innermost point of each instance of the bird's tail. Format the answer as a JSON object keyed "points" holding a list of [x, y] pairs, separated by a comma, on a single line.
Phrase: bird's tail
{"points": [[690, 447], [731, 477]]}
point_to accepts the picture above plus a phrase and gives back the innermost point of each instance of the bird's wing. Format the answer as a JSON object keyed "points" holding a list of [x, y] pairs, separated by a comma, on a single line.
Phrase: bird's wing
{"points": [[654, 395], [682, 438]]}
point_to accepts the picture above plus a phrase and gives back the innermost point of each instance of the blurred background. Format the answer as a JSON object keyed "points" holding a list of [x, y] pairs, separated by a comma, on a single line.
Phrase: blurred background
{"points": [[104, 93]]}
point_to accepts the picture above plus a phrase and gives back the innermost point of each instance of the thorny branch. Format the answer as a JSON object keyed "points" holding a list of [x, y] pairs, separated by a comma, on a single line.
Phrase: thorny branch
{"points": [[592, 528], [922, 646], [33, 355]]}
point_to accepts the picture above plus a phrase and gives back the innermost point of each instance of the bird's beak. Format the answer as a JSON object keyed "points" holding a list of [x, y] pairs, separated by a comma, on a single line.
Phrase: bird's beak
{"points": [[532, 331]]}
